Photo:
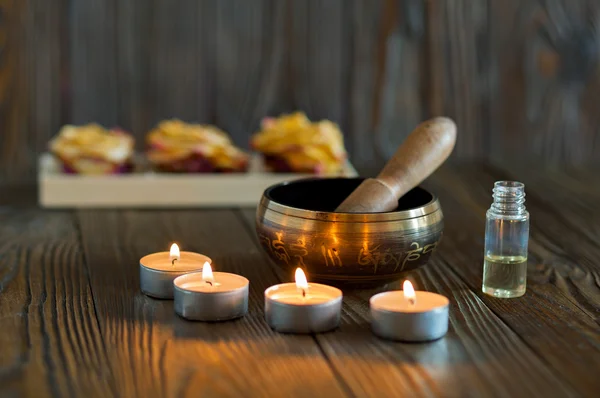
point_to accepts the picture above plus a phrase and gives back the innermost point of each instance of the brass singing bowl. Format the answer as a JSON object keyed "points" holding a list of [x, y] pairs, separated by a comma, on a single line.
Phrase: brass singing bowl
{"points": [[297, 227]]}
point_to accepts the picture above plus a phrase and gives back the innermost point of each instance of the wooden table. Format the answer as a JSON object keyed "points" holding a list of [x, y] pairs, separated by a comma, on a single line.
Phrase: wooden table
{"points": [[74, 323]]}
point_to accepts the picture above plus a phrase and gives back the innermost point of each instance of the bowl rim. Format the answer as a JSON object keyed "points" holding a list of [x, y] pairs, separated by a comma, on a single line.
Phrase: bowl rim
{"points": [[270, 204]]}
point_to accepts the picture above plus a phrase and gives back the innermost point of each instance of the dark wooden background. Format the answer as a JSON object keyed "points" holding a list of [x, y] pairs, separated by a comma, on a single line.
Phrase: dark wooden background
{"points": [[520, 77]]}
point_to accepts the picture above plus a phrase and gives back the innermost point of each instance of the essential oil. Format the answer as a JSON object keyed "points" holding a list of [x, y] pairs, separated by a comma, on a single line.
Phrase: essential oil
{"points": [[506, 242]]}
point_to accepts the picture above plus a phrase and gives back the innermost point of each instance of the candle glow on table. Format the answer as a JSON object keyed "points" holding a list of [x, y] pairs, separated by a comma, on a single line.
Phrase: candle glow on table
{"points": [[157, 270], [211, 296], [409, 315], [302, 307]]}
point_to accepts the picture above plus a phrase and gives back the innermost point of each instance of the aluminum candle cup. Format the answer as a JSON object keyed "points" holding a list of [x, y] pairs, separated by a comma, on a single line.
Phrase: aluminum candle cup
{"points": [[303, 307], [220, 298], [409, 316], [158, 270]]}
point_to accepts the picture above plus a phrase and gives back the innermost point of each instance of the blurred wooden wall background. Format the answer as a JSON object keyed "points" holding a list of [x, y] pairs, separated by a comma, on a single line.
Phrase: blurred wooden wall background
{"points": [[520, 77]]}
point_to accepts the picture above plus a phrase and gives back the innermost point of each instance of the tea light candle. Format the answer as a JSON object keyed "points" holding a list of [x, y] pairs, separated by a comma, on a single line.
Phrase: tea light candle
{"points": [[302, 307], [408, 315], [157, 270], [208, 296]]}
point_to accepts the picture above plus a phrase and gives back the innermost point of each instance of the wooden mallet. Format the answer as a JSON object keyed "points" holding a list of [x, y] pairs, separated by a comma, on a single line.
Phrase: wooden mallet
{"points": [[423, 151]]}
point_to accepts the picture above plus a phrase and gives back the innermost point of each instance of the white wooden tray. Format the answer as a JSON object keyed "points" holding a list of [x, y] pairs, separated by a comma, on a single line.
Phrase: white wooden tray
{"points": [[156, 190]]}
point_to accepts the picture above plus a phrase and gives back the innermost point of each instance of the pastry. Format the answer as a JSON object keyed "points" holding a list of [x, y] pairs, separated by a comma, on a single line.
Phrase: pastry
{"points": [[92, 149], [292, 143], [175, 146]]}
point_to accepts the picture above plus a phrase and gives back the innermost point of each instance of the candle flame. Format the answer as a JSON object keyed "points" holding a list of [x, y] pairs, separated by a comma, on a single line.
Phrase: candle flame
{"points": [[301, 282], [174, 252], [207, 274], [409, 292]]}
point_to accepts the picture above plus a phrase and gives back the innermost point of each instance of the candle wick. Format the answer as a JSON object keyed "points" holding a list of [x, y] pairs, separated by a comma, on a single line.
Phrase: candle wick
{"points": [[303, 293], [173, 262], [209, 282], [411, 301]]}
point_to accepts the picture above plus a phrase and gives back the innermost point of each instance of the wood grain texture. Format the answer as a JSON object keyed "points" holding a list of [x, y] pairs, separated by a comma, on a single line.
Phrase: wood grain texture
{"points": [[249, 61], [458, 58], [549, 322], [370, 30], [154, 352], [93, 49], [50, 343], [31, 83], [480, 355], [400, 93], [519, 77], [140, 68], [319, 54], [545, 80], [75, 324], [173, 60]]}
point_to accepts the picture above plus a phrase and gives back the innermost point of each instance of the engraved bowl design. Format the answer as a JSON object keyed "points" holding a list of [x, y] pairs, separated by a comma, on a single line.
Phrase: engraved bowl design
{"points": [[297, 227]]}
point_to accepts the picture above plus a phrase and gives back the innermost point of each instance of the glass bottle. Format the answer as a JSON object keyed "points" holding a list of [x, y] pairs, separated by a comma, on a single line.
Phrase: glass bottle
{"points": [[506, 241]]}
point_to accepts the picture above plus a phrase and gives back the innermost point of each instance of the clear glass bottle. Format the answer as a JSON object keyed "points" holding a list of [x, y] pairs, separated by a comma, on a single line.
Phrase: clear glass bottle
{"points": [[506, 241]]}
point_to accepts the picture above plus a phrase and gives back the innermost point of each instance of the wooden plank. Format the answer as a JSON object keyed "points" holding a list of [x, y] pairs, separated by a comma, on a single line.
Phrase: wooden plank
{"points": [[565, 216], [545, 81], [368, 54], [358, 63], [209, 62], [319, 54], [93, 41], [156, 62], [390, 50], [459, 74], [137, 56], [248, 63], [50, 343], [524, 71], [31, 83], [173, 59], [13, 98], [547, 321], [493, 360], [154, 351]]}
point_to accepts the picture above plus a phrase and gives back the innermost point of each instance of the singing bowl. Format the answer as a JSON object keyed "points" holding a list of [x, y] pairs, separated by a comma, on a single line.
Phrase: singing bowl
{"points": [[297, 227]]}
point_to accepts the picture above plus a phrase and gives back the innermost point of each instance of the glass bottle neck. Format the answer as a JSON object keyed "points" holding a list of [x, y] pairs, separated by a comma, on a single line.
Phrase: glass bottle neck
{"points": [[509, 198]]}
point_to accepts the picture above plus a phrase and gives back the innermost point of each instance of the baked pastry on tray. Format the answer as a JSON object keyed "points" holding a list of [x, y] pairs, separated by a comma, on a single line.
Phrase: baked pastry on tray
{"points": [[175, 146], [292, 143], [92, 149]]}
